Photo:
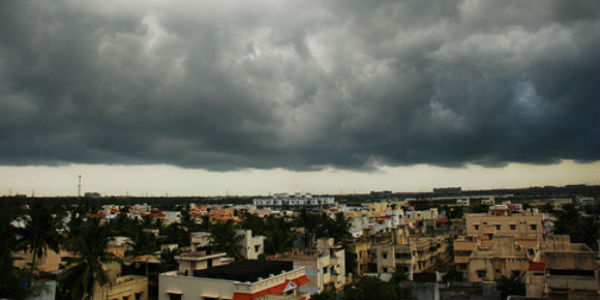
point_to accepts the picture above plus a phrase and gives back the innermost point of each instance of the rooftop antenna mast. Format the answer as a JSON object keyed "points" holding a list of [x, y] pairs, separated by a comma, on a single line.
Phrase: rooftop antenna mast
{"points": [[79, 186]]}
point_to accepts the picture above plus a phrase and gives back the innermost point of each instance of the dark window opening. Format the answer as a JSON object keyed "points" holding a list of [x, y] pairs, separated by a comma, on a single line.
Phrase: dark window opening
{"points": [[588, 273], [173, 296]]}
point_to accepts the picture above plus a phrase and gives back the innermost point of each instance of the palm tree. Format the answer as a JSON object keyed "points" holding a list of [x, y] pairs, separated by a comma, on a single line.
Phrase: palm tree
{"points": [[512, 285], [225, 238], [89, 248], [40, 233], [280, 237], [205, 226], [340, 228], [10, 277]]}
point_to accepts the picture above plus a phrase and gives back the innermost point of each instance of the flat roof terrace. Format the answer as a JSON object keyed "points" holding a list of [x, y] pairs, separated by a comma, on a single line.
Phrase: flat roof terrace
{"points": [[249, 270]]}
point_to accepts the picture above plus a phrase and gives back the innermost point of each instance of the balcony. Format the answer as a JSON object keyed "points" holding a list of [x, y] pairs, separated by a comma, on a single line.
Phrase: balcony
{"points": [[572, 282]]}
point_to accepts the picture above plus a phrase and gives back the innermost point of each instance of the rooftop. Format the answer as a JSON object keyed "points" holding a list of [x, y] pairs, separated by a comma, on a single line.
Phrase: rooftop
{"points": [[249, 270]]}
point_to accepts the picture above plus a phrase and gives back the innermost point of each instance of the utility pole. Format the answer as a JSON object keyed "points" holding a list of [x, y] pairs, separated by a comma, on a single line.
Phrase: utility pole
{"points": [[79, 186]]}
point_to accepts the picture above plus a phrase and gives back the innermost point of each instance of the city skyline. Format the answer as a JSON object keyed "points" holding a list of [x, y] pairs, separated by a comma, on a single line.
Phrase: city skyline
{"points": [[173, 181]]}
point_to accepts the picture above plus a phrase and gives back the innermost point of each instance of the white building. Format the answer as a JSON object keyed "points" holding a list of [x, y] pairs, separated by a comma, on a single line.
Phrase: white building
{"points": [[325, 265], [246, 280], [253, 246], [584, 201], [190, 262], [199, 240], [172, 217], [294, 202]]}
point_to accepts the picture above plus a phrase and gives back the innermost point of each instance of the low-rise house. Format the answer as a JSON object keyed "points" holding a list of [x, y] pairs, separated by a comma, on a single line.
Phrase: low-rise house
{"points": [[49, 262], [222, 215], [252, 246], [190, 262], [121, 287], [246, 280]]}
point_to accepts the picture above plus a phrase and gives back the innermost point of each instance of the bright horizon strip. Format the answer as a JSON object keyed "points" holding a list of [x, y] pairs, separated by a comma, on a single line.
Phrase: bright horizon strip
{"points": [[161, 180]]}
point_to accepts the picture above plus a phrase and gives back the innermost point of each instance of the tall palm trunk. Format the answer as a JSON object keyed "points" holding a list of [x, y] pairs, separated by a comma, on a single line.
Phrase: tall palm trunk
{"points": [[32, 268]]}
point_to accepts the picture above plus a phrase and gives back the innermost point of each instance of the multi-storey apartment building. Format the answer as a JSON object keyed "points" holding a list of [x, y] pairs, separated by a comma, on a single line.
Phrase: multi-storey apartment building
{"points": [[325, 265], [411, 254], [563, 270], [295, 202], [525, 227], [386, 252], [503, 257]]}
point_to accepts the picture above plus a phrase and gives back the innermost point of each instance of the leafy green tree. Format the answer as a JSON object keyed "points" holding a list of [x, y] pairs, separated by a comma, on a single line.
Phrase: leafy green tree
{"points": [[204, 226], [453, 275], [339, 228], [581, 229], [188, 223], [40, 233], [279, 235], [399, 276], [143, 243], [123, 226], [310, 222], [510, 286], [254, 223], [478, 208], [168, 261], [89, 245], [12, 280], [278, 232], [174, 233], [368, 287], [326, 294], [224, 238], [324, 226]]}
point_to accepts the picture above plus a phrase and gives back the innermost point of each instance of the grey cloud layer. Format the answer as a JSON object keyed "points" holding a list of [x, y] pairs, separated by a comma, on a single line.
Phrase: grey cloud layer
{"points": [[299, 84]]}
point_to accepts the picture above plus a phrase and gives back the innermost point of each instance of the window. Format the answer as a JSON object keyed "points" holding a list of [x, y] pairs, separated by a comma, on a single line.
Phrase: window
{"points": [[498, 227], [533, 226], [481, 274], [256, 248], [513, 227], [384, 255], [138, 296], [174, 296], [476, 226], [385, 270]]}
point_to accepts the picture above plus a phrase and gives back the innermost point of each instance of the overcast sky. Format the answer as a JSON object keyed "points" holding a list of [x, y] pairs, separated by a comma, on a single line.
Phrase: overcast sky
{"points": [[227, 91]]}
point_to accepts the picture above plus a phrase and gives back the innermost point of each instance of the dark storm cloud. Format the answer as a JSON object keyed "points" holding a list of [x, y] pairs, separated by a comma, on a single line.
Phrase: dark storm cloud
{"points": [[299, 84]]}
